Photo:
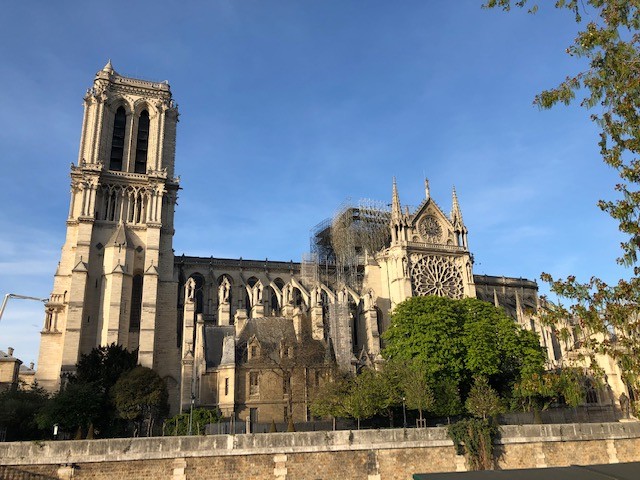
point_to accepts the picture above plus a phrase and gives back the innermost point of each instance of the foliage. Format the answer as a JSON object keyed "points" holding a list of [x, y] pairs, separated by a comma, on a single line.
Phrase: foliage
{"points": [[416, 390], [452, 341], [606, 316], [200, 418], [483, 401], [74, 407], [474, 437], [447, 399], [537, 391], [101, 369], [365, 398], [18, 410], [329, 400], [140, 395], [104, 365]]}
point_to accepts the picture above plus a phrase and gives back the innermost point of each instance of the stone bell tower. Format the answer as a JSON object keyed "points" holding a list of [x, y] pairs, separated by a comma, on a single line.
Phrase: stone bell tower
{"points": [[114, 282]]}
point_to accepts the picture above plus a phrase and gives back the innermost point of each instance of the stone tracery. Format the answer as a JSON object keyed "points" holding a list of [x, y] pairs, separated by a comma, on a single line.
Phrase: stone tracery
{"points": [[435, 275]]}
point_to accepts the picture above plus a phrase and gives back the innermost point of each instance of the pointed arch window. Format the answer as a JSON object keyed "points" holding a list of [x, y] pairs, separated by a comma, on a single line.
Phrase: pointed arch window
{"points": [[142, 144], [117, 141], [136, 303]]}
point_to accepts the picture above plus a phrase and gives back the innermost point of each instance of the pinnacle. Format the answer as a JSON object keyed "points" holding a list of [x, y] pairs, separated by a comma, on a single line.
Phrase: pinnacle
{"points": [[108, 67]]}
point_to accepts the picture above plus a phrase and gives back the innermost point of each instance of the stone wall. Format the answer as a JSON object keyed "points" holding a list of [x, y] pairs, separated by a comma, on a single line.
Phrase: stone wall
{"points": [[365, 454]]}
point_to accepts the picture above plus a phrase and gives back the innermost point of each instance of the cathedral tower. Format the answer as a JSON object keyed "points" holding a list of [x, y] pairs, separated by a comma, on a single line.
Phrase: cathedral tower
{"points": [[114, 282]]}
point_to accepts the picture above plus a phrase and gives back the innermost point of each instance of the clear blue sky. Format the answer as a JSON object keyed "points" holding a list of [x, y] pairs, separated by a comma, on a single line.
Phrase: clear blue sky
{"points": [[289, 107]]}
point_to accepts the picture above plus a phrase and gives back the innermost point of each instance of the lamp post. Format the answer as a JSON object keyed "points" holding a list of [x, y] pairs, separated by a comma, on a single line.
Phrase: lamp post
{"points": [[404, 412], [55, 431], [193, 399]]}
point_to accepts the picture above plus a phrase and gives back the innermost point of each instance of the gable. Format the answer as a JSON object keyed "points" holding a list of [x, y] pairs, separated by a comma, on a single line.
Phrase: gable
{"points": [[431, 225]]}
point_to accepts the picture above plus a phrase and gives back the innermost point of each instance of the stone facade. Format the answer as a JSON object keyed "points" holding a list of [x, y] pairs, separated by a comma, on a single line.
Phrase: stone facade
{"points": [[196, 320]]}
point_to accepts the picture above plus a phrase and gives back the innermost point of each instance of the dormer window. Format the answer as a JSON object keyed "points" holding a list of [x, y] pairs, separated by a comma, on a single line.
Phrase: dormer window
{"points": [[142, 144], [117, 141], [253, 350]]}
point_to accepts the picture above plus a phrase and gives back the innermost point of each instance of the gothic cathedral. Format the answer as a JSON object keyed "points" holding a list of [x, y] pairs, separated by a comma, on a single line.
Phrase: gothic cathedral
{"points": [[253, 338]]}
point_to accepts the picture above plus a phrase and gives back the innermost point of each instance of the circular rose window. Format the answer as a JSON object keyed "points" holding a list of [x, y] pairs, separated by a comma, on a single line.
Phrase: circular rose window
{"points": [[431, 275]]}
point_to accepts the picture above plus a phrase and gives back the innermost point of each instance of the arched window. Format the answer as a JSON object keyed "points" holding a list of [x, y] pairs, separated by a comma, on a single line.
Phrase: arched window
{"points": [[136, 304], [117, 142], [142, 143]]}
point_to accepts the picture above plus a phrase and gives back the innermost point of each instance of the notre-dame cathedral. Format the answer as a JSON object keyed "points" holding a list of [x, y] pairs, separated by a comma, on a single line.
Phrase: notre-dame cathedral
{"points": [[250, 337]]}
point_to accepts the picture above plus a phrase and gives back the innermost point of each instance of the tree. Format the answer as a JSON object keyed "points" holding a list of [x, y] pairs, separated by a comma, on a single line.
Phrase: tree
{"points": [[483, 401], [140, 395], [200, 418], [451, 341], [447, 400], [606, 316], [75, 407], [365, 398], [18, 413], [417, 392], [330, 398], [104, 365]]}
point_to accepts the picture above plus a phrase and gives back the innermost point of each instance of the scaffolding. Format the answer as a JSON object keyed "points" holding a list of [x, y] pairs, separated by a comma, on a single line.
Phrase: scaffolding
{"points": [[340, 244]]}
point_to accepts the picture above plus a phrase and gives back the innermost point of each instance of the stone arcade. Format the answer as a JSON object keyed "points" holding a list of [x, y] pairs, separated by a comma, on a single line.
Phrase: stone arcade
{"points": [[251, 337]]}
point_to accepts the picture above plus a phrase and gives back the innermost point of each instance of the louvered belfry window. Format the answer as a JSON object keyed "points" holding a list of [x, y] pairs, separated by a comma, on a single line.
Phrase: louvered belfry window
{"points": [[117, 142], [142, 143]]}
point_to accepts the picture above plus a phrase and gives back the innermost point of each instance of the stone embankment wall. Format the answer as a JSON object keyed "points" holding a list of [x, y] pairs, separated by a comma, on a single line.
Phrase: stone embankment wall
{"points": [[365, 454]]}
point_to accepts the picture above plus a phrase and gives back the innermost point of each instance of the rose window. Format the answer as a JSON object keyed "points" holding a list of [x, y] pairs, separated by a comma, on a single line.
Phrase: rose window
{"points": [[430, 229], [431, 275]]}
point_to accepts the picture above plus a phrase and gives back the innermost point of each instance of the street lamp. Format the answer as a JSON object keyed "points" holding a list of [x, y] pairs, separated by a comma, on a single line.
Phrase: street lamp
{"points": [[404, 412], [193, 399], [55, 431]]}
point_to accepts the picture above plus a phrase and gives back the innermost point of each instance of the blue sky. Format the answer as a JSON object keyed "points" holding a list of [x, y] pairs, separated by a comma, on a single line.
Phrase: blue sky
{"points": [[290, 107]]}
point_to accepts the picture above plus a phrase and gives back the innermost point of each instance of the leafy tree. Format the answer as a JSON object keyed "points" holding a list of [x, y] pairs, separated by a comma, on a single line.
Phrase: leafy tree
{"points": [[104, 365], [536, 392], [200, 418], [447, 400], [330, 398], [75, 407], [428, 331], [451, 341], [18, 411], [140, 395], [417, 392], [365, 398], [606, 316], [483, 401]]}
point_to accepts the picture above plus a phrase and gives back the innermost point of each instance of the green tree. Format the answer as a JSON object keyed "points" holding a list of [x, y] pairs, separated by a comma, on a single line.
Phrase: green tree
{"points": [[365, 398], [606, 316], [104, 365], [200, 418], [483, 401], [451, 341], [447, 400], [329, 401], [417, 391], [18, 413], [74, 408], [140, 395]]}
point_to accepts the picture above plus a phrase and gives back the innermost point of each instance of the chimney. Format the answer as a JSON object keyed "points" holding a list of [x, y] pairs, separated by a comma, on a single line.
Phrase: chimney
{"points": [[31, 365], [10, 351]]}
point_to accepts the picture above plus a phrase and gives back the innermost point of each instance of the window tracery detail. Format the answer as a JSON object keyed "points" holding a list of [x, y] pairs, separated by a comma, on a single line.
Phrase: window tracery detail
{"points": [[430, 229], [435, 275]]}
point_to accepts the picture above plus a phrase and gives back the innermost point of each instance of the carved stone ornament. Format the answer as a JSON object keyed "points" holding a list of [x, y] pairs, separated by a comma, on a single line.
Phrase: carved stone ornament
{"points": [[431, 275], [430, 229]]}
